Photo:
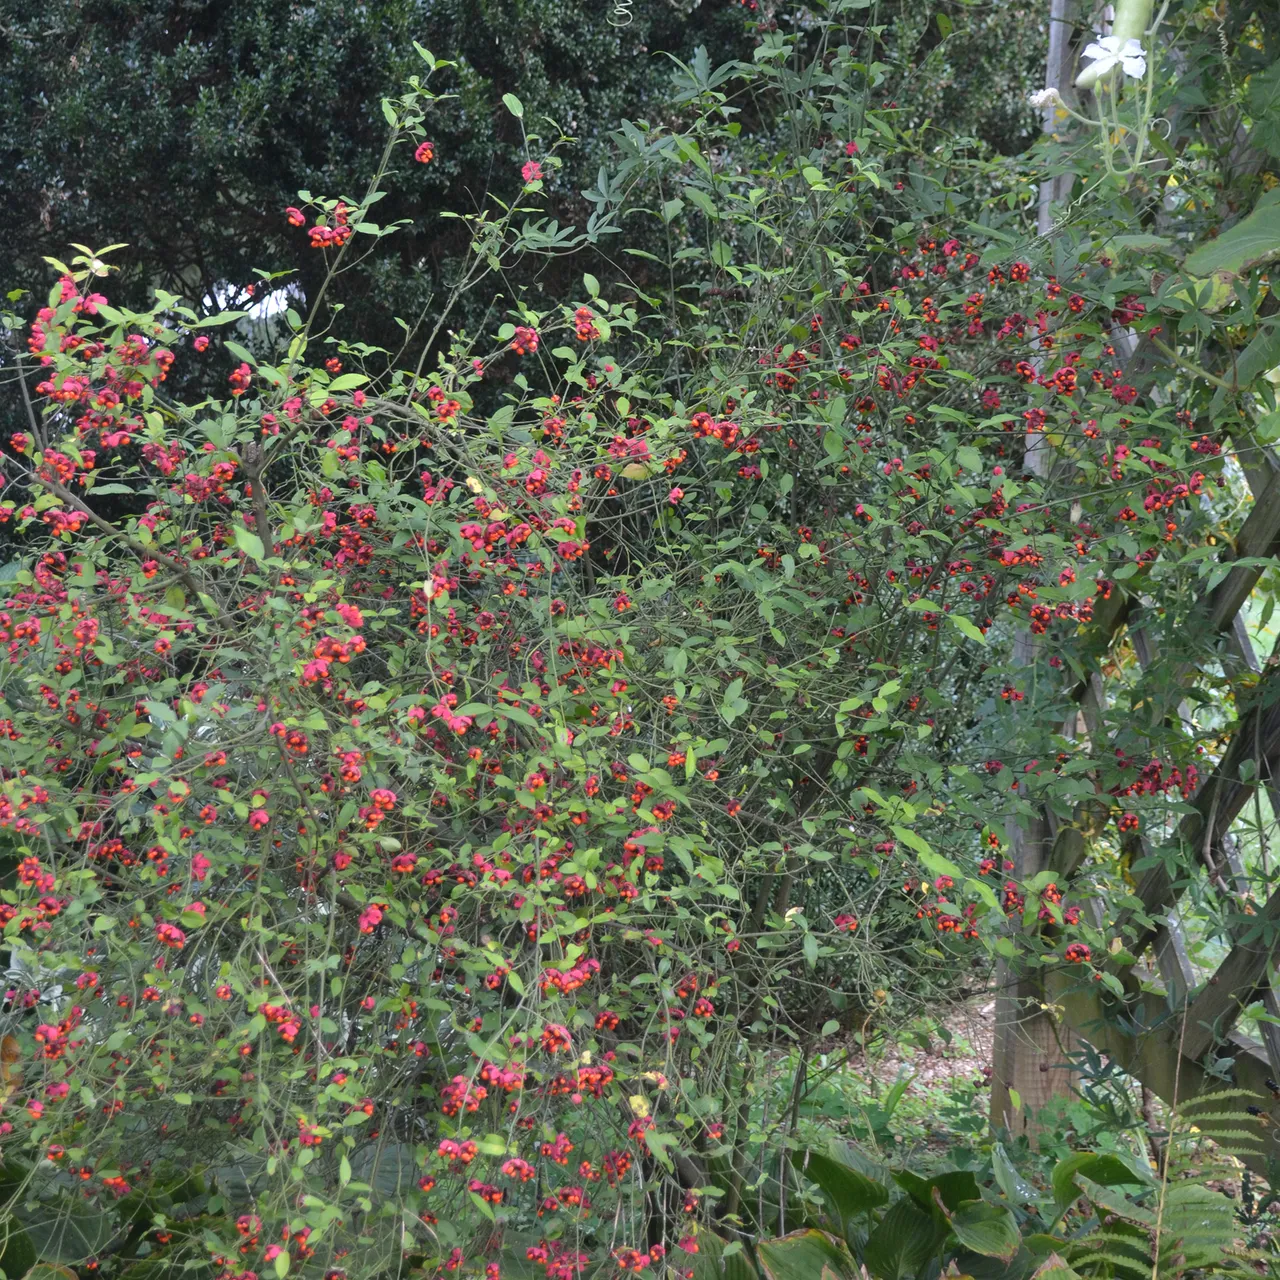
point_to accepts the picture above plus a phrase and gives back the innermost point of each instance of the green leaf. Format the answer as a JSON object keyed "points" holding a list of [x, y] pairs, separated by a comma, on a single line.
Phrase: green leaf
{"points": [[913, 840], [1108, 1170], [63, 1229], [807, 1255], [848, 1191], [1055, 1267], [1261, 354], [967, 628], [1264, 107], [249, 543], [718, 1259], [17, 1253], [733, 704], [514, 105], [1010, 1181], [13, 1176], [46, 1271], [1253, 240], [954, 1188], [988, 1229], [1137, 242], [241, 353], [906, 1240], [388, 1170], [222, 317]]}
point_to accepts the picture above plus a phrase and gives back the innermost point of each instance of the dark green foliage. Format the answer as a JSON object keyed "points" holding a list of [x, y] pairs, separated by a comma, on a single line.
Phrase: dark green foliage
{"points": [[185, 128]]}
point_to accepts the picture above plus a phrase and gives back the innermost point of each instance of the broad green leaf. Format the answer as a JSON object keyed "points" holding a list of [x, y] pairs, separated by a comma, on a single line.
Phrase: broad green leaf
{"points": [[63, 1229], [390, 1170], [1108, 1170], [848, 1191], [1055, 1267], [1264, 107], [807, 1255], [1137, 243], [1209, 294], [17, 1253], [1011, 1182], [514, 105], [720, 1259], [988, 1229], [1253, 240], [906, 1239], [47, 1271], [954, 1188]]}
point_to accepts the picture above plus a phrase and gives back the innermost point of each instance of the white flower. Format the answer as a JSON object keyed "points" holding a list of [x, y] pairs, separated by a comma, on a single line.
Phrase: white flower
{"points": [[1108, 52], [1045, 98]]}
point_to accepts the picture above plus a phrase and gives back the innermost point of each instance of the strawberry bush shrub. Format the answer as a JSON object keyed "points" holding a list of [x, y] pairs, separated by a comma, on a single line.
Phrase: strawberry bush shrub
{"points": [[446, 775]]}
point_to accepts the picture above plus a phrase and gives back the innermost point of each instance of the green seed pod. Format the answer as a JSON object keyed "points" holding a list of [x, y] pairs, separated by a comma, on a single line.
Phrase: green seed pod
{"points": [[1131, 22]]}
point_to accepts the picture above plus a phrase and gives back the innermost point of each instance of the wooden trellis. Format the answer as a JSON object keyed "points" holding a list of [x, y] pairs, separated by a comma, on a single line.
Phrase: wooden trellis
{"points": [[1168, 1021], [1166, 1026]]}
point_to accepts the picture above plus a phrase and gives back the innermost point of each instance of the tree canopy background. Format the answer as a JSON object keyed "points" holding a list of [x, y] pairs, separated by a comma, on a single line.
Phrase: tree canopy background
{"points": [[185, 127]]}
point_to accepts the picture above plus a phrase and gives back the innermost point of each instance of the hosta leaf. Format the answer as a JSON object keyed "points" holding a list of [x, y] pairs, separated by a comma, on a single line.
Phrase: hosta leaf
{"points": [[807, 1255], [988, 1229]]}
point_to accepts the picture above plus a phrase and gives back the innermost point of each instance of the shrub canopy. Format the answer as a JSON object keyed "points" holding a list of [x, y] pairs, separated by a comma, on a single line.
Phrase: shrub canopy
{"points": [[439, 783]]}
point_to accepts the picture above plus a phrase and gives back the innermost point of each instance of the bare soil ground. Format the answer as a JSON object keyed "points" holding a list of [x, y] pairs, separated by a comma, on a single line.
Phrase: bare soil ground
{"points": [[965, 1058]]}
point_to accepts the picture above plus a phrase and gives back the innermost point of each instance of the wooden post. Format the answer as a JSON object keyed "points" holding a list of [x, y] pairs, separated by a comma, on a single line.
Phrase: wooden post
{"points": [[1028, 1052], [1028, 1068]]}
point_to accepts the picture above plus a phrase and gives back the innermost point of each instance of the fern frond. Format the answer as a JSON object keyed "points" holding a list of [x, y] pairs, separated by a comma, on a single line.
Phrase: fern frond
{"points": [[1216, 1095]]}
